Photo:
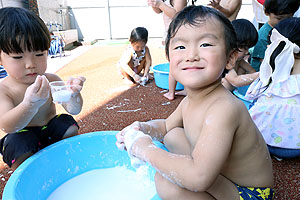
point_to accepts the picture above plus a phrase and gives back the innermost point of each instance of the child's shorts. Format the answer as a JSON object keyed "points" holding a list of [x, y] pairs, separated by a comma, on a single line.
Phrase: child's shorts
{"points": [[33, 139], [247, 193]]}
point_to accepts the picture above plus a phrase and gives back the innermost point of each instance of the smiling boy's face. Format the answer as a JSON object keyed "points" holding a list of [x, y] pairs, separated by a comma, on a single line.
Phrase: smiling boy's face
{"points": [[198, 54]]}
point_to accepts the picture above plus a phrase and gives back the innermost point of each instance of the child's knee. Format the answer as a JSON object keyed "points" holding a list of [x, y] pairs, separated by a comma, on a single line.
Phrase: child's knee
{"points": [[176, 141], [71, 131]]}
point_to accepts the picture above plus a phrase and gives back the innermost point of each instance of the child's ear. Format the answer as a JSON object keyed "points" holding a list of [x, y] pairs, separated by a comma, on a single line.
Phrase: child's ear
{"points": [[232, 60]]}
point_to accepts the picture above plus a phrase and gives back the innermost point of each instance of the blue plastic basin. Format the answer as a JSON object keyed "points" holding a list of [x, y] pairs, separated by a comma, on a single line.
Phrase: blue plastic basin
{"points": [[161, 76], [42, 173], [240, 93]]}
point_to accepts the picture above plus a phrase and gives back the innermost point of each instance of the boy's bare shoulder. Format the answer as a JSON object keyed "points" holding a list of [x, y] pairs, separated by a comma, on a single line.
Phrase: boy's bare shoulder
{"points": [[4, 87], [229, 105]]}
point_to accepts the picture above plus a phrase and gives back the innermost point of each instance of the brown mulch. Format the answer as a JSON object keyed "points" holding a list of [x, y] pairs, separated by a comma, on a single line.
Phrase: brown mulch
{"points": [[111, 104]]}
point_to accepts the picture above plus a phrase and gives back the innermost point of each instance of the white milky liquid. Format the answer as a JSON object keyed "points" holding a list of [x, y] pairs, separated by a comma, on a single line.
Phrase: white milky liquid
{"points": [[107, 184], [61, 96]]}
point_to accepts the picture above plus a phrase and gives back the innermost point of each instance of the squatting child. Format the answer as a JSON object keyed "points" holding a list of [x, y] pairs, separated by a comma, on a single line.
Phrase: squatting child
{"points": [[136, 58], [28, 116], [215, 149]]}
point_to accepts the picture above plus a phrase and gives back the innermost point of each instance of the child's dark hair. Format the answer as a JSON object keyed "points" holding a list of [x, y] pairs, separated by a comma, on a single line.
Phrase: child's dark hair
{"points": [[246, 33], [281, 7], [139, 34], [22, 30], [195, 16]]}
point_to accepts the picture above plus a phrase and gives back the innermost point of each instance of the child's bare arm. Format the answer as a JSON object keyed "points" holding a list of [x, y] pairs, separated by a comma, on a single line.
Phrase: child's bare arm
{"points": [[148, 62], [14, 118], [240, 80], [74, 106], [198, 171], [246, 66], [231, 7], [157, 129]]}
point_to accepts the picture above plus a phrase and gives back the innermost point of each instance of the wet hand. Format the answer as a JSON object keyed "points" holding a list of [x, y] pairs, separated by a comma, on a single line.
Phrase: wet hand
{"points": [[76, 84], [135, 141], [214, 3], [120, 135], [37, 93], [154, 3]]}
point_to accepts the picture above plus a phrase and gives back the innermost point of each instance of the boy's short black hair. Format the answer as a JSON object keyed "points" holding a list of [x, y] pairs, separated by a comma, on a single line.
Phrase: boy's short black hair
{"points": [[194, 16], [281, 7], [246, 33], [139, 34], [22, 30]]}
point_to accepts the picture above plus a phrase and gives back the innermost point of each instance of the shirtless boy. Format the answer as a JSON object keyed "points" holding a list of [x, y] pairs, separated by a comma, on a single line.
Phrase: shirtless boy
{"points": [[27, 114], [215, 149]]}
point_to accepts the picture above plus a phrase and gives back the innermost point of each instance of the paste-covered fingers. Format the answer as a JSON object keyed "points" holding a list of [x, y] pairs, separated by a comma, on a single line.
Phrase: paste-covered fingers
{"points": [[120, 140], [44, 88], [136, 126]]}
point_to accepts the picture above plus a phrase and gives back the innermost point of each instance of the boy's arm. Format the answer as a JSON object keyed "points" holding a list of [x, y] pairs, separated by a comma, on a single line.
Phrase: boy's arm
{"points": [[246, 66], [230, 8], [157, 129], [14, 118], [240, 80], [159, 6], [157, 10], [198, 171], [148, 62]]}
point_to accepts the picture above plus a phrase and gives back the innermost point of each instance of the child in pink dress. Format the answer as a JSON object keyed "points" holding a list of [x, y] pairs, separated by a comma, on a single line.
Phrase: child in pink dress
{"points": [[277, 110]]}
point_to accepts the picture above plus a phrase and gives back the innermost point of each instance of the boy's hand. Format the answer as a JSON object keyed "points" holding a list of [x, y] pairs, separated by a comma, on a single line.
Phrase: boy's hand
{"points": [[133, 136], [76, 84], [120, 135], [215, 3], [154, 3], [37, 93]]}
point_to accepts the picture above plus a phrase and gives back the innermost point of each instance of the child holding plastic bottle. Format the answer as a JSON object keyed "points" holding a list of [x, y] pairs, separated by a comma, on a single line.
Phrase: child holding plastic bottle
{"points": [[215, 149], [136, 58], [276, 112], [242, 73], [28, 119]]}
